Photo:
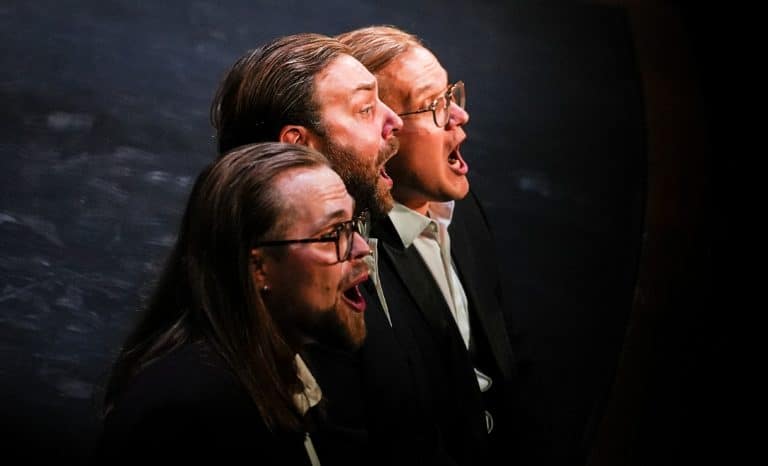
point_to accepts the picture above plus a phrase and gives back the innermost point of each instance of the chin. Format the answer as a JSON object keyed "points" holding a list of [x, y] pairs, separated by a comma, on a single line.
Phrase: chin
{"points": [[460, 192], [353, 339], [356, 341], [350, 330], [383, 203]]}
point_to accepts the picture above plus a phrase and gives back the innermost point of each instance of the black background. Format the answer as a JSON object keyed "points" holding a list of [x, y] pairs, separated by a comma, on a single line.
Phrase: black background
{"points": [[105, 125]]}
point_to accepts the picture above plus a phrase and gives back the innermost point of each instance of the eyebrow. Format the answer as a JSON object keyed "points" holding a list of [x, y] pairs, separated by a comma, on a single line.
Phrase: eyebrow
{"points": [[369, 86], [417, 95], [333, 218]]}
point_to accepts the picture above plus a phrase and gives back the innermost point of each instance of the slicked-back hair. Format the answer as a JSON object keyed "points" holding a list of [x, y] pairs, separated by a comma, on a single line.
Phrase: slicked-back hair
{"points": [[205, 293], [376, 46], [270, 87]]}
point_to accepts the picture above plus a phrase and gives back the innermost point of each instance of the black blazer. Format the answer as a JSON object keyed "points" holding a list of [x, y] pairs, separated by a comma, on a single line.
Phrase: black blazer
{"points": [[188, 407], [420, 400]]}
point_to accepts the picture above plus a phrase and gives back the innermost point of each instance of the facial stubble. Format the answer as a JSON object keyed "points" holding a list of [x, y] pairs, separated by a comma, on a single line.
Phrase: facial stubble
{"points": [[363, 181]]}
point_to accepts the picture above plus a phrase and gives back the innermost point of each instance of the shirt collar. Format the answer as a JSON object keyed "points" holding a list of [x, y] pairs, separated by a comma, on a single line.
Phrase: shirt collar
{"points": [[409, 224], [312, 394]]}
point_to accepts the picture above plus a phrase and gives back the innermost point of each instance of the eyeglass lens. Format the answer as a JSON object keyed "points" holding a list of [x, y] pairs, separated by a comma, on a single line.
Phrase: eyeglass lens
{"points": [[360, 225], [454, 96]]}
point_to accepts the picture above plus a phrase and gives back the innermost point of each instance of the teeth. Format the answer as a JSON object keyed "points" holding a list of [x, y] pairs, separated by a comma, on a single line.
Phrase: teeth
{"points": [[353, 294], [454, 155]]}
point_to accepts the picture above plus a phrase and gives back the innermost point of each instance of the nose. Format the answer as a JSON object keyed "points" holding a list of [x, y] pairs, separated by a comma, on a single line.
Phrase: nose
{"points": [[392, 122], [360, 247], [459, 116]]}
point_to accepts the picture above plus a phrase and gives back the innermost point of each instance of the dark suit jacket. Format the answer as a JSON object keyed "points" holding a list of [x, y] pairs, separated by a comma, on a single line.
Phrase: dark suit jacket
{"points": [[188, 407], [421, 402]]}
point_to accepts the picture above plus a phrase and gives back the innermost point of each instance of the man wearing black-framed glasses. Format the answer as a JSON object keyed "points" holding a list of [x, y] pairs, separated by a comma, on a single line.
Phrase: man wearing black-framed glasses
{"points": [[212, 372], [342, 234]]}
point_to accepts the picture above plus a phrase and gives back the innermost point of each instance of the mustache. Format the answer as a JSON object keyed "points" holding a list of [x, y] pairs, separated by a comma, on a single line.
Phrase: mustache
{"points": [[391, 147], [359, 267]]}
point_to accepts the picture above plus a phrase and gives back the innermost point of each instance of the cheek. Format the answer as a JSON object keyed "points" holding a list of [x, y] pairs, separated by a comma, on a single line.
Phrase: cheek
{"points": [[419, 153], [325, 283], [421, 140], [399, 166], [306, 279], [368, 145], [358, 134]]}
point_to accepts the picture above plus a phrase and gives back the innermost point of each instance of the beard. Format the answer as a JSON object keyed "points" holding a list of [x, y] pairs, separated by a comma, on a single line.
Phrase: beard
{"points": [[334, 325], [344, 333], [363, 181]]}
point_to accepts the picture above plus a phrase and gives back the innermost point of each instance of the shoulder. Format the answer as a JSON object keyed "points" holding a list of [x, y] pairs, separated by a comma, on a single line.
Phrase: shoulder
{"points": [[186, 405], [471, 212], [192, 373], [189, 405], [190, 388]]}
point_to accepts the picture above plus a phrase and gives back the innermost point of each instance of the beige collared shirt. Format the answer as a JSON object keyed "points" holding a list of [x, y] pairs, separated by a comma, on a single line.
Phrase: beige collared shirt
{"points": [[312, 393], [305, 400]]}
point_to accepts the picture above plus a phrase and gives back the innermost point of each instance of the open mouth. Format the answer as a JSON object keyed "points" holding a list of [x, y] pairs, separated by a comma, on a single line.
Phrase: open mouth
{"points": [[457, 163], [385, 155], [385, 176], [353, 297]]}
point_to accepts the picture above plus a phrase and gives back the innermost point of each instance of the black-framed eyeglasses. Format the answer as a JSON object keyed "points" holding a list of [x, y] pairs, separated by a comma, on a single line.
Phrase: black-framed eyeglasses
{"points": [[343, 234], [440, 107]]}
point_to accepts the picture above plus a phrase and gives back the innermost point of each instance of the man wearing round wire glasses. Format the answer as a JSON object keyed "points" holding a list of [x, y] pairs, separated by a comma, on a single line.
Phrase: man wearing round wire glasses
{"points": [[440, 107], [444, 314]]}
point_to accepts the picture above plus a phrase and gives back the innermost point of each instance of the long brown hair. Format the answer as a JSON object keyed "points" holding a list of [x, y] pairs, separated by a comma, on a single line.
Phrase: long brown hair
{"points": [[206, 292]]}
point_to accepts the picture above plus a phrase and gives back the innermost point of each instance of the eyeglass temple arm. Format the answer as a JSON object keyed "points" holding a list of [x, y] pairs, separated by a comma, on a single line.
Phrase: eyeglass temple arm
{"points": [[294, 241]]}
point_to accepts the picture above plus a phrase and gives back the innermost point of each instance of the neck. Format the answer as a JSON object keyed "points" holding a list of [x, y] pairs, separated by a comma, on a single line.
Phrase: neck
{"points": [[419, 206]]}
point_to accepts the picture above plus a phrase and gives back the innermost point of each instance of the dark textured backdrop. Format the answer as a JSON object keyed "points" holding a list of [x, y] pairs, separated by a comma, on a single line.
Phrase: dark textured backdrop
{"points": [[104, 126]]}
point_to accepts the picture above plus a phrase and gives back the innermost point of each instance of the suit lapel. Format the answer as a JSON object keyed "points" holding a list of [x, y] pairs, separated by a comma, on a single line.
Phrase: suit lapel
{"points": [[480, 294], [414, 275], [416, 278]]}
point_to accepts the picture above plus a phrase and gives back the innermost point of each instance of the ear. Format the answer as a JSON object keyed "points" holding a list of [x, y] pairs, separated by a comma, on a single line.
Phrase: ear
{"points": [[294, 134], [259, 268]]}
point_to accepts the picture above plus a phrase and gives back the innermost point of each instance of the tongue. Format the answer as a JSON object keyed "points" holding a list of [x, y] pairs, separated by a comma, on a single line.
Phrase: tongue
{"points": [[457, 163], [353, 294]]}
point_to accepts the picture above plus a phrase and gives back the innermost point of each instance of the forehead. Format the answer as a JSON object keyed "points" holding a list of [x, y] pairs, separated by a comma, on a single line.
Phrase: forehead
{"points": [[313, 196], [342, 78], [344, 75], [414, 76]]}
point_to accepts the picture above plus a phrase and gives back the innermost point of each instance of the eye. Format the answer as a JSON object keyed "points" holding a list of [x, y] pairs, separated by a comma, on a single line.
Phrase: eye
{"points": [[331, 234], [367, 110]]}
